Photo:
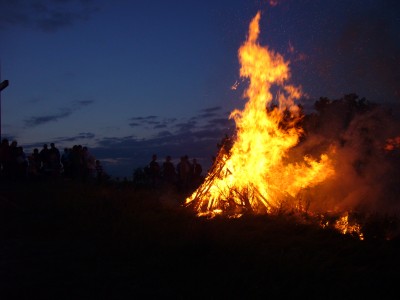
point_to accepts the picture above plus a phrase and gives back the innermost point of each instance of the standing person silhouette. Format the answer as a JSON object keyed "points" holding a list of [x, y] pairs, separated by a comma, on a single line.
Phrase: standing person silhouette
{"points": [[195, 173], [183, 170], [44, 157], [168, 171], [154, 171], [54, 160]]}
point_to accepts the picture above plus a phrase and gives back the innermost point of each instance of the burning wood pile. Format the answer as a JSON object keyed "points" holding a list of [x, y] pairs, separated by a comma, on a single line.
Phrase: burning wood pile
{"points": [[252, 173]]}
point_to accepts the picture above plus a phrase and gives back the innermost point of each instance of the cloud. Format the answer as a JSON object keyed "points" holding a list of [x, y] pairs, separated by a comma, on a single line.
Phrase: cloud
{"points": [[64, 141], [186, 126], [153, 122], [36, 121], [164, 133], [134, 153], [206, 115], [84, 102], [196, 137], [144, 118], [62, 114], [222, 122], [159, 126], [211, 109], [209, 112], [45, 15], [79, 136]]}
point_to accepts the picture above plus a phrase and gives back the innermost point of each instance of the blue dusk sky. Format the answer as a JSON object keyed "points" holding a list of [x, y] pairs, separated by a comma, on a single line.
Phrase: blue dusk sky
{"points": [[131, 78]]}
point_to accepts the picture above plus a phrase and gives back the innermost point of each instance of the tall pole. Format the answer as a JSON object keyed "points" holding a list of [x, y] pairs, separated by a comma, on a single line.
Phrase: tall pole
{"points": [[0, 105], [3, 85]]}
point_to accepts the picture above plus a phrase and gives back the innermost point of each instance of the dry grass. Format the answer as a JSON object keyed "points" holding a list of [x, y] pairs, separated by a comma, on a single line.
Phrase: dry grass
{"points": [[70, 241]]}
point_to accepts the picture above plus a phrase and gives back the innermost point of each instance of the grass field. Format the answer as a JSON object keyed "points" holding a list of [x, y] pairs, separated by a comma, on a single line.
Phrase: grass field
{"points": [[65, 240]]}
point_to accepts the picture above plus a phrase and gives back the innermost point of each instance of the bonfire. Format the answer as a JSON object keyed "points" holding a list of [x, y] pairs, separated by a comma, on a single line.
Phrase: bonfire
{"points": [[253, 174]]}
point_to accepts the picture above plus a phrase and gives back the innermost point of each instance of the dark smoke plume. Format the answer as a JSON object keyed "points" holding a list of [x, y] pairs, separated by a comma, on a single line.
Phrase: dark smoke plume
{"points": [[354, 133]]}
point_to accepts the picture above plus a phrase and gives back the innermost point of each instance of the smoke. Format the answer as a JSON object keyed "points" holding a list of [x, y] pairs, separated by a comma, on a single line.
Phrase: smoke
{"points": [[354, 133], [373, 53], [273, 2]]}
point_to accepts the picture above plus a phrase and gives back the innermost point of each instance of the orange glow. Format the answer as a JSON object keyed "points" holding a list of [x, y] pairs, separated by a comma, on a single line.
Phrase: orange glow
{"points": [[255, 175], [273, 2], [392, 144], [345, 227]]}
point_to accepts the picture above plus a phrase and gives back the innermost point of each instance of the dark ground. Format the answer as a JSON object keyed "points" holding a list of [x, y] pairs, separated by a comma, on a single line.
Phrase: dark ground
{"points": [[62, 240]]}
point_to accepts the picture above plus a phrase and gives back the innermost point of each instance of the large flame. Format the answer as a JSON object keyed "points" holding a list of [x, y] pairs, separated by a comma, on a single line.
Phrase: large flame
{"points": [[254, 173]]}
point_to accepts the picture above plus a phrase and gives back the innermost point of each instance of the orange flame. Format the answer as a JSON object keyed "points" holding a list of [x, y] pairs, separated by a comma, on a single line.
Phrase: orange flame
{"points": [[253, 175], [392, 143], [344, 226]]}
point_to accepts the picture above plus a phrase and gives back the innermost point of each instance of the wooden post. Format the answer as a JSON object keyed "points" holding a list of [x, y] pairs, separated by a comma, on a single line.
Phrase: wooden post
{"points": [[3, 85]]}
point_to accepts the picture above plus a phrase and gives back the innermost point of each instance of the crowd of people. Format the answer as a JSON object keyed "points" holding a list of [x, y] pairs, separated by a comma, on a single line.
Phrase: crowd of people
{"points": [[74, 163], [77, 163], [186, 175]]}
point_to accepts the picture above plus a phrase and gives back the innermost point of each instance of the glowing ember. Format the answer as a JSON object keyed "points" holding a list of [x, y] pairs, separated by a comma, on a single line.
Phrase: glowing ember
{"points": [[254, 174], [345, 227], [392, 144]]}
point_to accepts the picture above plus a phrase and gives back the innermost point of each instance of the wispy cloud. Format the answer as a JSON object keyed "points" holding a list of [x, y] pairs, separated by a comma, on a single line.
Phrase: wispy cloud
{"points": [[200, 144], [152, 122], [65, 141], [144, 118], [186, 126], [45, 15], [84, 102], [134, 124], [79, 136], [40, 120], [212, 118], [211, 109], [159, 126], [196, 137], [220, 122], [61, 114]]}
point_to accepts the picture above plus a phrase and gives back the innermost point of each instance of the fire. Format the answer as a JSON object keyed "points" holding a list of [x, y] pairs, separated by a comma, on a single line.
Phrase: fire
{"points": [[392, 143], [254, 174], [344, 226]]}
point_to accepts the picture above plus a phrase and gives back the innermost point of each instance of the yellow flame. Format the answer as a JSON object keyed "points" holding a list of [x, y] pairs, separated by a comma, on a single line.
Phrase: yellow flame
{"points": [[253, 175], [345, 227]]}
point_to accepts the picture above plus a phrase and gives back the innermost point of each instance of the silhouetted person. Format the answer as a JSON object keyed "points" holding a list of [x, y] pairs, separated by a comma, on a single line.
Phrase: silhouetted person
{"points": [[76, 162], [183, 171], [195, 173], [34, 164], [44, 157], [89, 164], [5, 157], [101, 176], [21, 163], [66, 162], [154, 170], [54, 160], [13, 164], [139, 177], [168, 171]]}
